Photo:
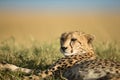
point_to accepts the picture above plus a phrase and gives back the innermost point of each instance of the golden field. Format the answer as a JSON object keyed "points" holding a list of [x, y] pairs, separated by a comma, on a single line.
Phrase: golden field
{"points": [[48, 26], [26, 26]]}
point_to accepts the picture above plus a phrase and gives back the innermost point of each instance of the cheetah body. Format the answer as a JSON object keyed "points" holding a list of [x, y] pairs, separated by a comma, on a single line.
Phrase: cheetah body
{"points": [[82, 63]]}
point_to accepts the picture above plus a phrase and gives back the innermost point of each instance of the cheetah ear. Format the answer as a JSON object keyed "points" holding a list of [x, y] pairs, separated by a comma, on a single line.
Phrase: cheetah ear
{"points": [[63, 34], [89, 37]]}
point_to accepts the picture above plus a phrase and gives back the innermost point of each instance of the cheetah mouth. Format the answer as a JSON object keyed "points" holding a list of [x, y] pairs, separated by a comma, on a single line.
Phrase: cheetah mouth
{"points": [[68, 54], [73, 53]]}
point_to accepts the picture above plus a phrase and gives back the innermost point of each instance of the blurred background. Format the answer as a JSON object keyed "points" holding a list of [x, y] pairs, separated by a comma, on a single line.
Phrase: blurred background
{"points": [[45, 20]]}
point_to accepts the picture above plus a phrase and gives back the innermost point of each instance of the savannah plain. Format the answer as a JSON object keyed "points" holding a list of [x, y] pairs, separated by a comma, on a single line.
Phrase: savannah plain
{"points": [[31, 39]]}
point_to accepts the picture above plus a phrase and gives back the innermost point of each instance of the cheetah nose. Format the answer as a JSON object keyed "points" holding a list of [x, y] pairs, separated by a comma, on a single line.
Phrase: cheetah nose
{"points": [[63, 48]]}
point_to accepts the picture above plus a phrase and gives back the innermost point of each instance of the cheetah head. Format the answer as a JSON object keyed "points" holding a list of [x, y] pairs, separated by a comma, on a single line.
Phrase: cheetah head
{"points": [[75, 42]]}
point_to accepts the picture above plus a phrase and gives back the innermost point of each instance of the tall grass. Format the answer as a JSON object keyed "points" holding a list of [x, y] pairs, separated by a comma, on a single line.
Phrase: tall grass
{"points": [[35, 56], [108, 50], [40, 55]]}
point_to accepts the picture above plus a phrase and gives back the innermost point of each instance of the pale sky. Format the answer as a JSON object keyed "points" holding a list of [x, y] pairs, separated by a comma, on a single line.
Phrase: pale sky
{"points": [[64, 5]]}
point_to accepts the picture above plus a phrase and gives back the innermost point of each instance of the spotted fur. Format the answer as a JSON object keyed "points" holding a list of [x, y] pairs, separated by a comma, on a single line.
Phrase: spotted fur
{"points": [[97, 69]]}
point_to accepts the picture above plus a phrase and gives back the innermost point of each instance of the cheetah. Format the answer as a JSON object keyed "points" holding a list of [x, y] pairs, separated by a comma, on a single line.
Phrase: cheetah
{"points": [[76, 47], [80, 61]]}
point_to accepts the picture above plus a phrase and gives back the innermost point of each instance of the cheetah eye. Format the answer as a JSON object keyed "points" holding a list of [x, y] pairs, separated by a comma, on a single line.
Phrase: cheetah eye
{"points": [[73, 39], [80, 43]]}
